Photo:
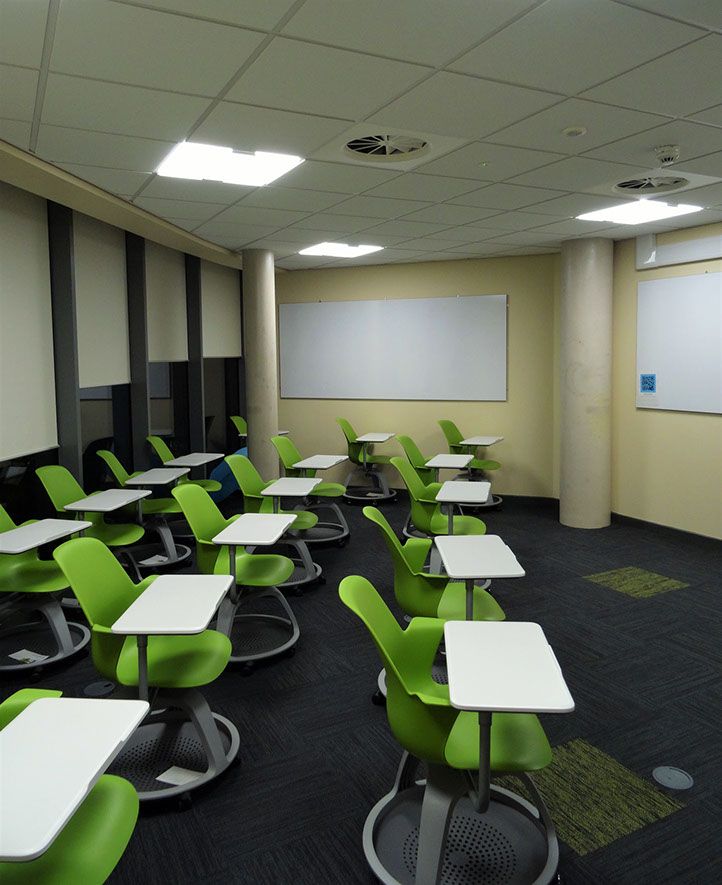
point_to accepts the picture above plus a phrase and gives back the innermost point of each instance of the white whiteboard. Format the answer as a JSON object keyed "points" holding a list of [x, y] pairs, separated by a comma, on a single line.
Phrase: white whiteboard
{"points": [[679, 343], [411, 348]]}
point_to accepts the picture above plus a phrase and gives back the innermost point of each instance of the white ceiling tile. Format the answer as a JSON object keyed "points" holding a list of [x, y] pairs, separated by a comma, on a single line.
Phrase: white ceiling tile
{"points": [[424, 31], [251, 215], [705, 13], [577, 174], [337, 224], [515, 221], [376, 207], [183, 223], [570, 227], [248, 128], [17, 92], [452, 104], [506, 196], [128, 44], [708, 165], [450, 213], [279, 248], [571, 205], [61, 145], [568, 51], [428, 244], [488, 162], [342, 178], [710, 195], [198, 212], [457, 235], [291, 198], [316, 79], [16, 132], [603, 123], [232, 235], [126, 110], [250, 13], [694, 140], [527, 238], [711, 115], [678, 84], [403, 228], [303, 237], [480, 249], [434, 188], [23, 31], [115, 181], [195, 191], [388, 256]]}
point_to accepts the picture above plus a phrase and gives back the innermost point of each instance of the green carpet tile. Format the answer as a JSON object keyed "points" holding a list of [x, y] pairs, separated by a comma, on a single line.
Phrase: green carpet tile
{"points": [[636, 582], [594, 800]]}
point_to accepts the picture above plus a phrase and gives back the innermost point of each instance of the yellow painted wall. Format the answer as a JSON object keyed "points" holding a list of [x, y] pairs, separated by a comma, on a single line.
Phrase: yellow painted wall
{"points": [[526, 420], [666, 466]]}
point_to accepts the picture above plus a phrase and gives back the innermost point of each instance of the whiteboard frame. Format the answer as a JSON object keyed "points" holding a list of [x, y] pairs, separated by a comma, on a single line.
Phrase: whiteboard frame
{"points": [[385, 362]]}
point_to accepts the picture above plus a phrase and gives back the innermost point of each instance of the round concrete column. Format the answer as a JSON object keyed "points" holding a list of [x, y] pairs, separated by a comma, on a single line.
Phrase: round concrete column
{"points": [[261, 361], [586, 383]]}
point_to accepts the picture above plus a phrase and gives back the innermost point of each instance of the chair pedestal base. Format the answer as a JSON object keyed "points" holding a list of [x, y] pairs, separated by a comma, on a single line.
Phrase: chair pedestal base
{"points": [[427, 833], [180, 739], [328, 532], [48, 633], [173, 554], [378, 491], [258, 636]]}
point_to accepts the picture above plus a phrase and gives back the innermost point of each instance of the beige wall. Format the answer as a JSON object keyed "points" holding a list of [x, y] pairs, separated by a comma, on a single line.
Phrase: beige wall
{"points": [[526, 419], [666, 466]]}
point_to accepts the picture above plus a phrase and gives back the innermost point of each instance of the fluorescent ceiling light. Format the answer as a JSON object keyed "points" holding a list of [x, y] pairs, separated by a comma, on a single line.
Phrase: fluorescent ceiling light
{"points": [[339, 250], [212, 163], [638, 211]]}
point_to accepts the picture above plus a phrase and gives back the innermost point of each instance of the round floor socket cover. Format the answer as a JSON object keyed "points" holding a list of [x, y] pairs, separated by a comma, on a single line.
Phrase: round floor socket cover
{"points": [[673, 778], [99, 689]]}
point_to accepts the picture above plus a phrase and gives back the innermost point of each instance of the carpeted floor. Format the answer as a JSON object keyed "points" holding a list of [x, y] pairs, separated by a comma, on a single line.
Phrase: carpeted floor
{"points": [[633, 613]]}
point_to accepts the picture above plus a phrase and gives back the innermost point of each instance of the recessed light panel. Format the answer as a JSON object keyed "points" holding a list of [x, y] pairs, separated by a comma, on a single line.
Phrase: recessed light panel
{"points": [[212, 163], [339, 250], [638, 212]]}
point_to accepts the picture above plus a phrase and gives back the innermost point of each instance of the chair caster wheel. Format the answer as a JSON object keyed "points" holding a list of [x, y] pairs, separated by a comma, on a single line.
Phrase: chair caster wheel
{"points": [[342, 542], [378, 699], [185, 802], [248, 668]]}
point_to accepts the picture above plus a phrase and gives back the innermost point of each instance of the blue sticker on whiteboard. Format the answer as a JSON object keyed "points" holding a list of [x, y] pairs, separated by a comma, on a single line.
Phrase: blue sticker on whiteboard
{"points": [[648, 383]]}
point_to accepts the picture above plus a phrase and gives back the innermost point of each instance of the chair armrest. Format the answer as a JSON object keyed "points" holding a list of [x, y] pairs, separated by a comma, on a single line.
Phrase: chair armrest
{"points": [[145, 583], [419, 646]]}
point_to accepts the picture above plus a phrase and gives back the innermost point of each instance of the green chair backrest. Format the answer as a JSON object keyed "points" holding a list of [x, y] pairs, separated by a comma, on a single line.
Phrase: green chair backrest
{"points": [[205, 520], [104, 592], [453, 435], [240, 424], [354, 448], [417, 460], [288, 453], [7, 524], [421, 511], [116, 468], [250, 483], [15, 704], [160, 447], [420, 729], [60, 484], [12, 563]]}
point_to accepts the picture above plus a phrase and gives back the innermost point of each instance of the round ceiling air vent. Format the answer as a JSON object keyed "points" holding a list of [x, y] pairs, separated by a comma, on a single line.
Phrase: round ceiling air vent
{"points": [[651, 184], [386, 147]]}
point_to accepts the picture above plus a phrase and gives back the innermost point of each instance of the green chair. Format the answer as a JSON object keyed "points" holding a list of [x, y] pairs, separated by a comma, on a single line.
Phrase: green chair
{"points": [[436, 814], [155, 510], [92, 842], [260, 636], [63, 488], [478, 466], [240, 424], [251, 485], [180, 730], [426, 513], [161, 449], [368, 466], [337, 531], [30, 586]]}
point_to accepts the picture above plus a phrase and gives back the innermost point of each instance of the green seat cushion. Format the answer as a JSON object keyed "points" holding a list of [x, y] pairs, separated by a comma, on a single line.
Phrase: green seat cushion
{"points": [[116, 534], [518, 743], [176, 661], [463, 525], [484, 464], [30, 576], [452, 605], [156, 506], [262, 569], [376, 459], [329, 490], [210, 485], [304, 519], [90, 845]]}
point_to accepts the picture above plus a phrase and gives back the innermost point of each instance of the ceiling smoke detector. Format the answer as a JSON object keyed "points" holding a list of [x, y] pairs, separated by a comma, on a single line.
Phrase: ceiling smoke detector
{"points": [[649, 185], [667, 154], [386, 147]]}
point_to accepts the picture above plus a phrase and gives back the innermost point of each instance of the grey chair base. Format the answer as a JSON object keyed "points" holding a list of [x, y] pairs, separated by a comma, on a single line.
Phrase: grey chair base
{"points": [[327, 532], [378, 490], [173, 554], [256, 636], [180, 740], [306, 570], [426, 832], [67, 636]]}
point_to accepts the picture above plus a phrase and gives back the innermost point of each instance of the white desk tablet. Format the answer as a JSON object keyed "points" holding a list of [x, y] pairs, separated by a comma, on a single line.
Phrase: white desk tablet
{"points": [[194, 459], [477, 556], [255, 529], [158, 476], [503, 667], [481, 440], [320, 462], [52, 755], [109, 500], [462, 492], [452, 462], [375, 437], [35, 534], [291, 487]]}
